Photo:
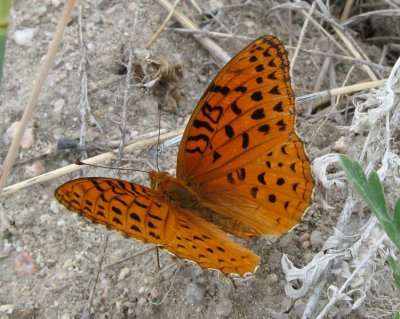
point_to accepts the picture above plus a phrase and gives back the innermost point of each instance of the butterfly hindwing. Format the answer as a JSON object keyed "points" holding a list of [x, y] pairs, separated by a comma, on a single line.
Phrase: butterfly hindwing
{"points": [[140, 213]]}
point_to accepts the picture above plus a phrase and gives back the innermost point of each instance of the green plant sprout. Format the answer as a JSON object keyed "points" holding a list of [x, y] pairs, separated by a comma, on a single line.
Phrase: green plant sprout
{"points": [[371, 191], [5, 6]]}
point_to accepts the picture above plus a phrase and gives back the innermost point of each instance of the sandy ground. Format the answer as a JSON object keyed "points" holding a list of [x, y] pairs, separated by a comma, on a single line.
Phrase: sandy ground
{"points": [[55, 264]]}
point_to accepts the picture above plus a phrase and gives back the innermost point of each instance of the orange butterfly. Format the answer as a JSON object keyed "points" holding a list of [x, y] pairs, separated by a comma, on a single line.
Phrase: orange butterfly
{"points": [[241, 169]]}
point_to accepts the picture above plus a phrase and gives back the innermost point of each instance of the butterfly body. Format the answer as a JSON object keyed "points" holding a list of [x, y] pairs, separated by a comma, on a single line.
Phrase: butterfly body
{"points": [[241, 169]]}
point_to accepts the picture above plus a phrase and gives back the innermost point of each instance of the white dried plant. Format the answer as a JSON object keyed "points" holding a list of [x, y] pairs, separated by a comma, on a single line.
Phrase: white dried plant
{"points": [[350, 270]]}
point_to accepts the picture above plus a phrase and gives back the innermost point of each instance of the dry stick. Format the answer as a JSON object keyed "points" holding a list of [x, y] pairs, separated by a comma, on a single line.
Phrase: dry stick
{"points": [[196, 6], [162, 26], [220, 56], [366, 15], [27, 115], [328, 59], [115, 263], [93, 160], [348, 40], [301, 38], [324, 68], [337, 91], [346, 10], [213, 34], [86, 312], [342, 57], [288, 47], [125, 104], [319, 27], [356, 51], [83, 94], [127, 89]]}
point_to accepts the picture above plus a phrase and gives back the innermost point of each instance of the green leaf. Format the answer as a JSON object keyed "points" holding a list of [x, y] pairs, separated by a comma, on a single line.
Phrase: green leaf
{"points": [[396, 215], [370, 189], [377, 194]]}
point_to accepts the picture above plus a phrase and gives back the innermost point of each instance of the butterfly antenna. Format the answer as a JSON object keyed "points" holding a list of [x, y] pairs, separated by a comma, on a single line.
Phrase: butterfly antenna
{"points": [[78, 162], [159, 133]]}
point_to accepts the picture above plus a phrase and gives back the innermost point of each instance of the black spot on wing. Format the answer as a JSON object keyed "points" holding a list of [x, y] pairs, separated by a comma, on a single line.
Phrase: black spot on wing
{"points": [[264, 128], [241, 174], [235, 109], [272, 63], [256, 96], [272, 76], [245, 140], [216, 156], [258, 114], [272, 198], [260, 68], [229, 132], [261, 178], [275, 90], [203, 124], [254, 191], [280, 181], [241, 88], [135, 216], [278, 107], [281, 124]]}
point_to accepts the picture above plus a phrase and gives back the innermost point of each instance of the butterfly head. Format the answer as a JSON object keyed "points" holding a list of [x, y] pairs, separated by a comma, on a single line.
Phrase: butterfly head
{"points": [[158, 179]]}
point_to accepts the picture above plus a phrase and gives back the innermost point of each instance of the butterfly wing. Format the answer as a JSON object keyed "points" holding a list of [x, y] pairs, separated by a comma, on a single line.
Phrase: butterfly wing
{"points": [[139, 212], [240, 146]]}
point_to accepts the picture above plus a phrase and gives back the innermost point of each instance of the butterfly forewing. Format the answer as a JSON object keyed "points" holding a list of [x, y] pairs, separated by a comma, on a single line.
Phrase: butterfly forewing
{"points": [[249, 102], [241, 148]]}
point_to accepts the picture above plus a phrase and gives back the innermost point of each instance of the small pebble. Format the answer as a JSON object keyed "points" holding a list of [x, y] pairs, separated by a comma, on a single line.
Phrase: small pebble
{"points": [[142, 301], [92, 134], [7, 309], [24, 264], [60, 274], [24, 37], [285, 241], [59, 105], [68, 263], [304, 237], [306, 244], [272, 278], [341, 145], [55, 3], [194, 293], [154, 293], [132, 6], [141, 290], [27, 138], [35, 169], [316, 239], [124, 273]]}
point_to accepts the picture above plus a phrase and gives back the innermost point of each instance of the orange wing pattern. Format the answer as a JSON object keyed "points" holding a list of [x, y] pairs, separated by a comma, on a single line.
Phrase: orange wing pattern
{"points": [[139, 212], [241, 168], [241, 148]]}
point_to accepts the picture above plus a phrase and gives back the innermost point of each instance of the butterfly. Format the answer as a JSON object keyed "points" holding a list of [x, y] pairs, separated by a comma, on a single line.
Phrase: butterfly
{"points": [[241, 170]]}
